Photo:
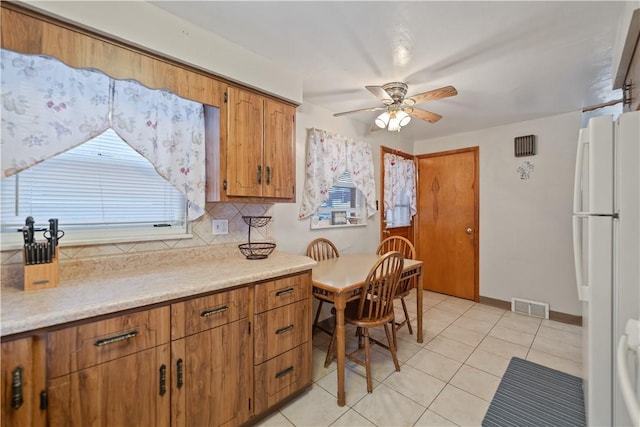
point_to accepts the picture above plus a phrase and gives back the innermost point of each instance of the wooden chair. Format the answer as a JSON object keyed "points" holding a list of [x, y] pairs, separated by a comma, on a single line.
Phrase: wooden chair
{"points": [[373, 309], [319, 250], [406, 248]]}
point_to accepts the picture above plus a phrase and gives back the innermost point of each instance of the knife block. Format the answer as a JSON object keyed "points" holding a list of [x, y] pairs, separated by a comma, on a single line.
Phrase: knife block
{"points": [[41, 276]]}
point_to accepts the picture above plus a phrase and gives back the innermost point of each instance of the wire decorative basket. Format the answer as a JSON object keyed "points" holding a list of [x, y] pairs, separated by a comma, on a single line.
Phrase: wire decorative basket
{"points": [[259, 250], [256, 221], [256, 250]]}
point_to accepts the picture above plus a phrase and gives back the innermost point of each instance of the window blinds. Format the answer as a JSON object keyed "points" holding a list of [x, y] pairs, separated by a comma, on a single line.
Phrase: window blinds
{"points": [[102, 183]]}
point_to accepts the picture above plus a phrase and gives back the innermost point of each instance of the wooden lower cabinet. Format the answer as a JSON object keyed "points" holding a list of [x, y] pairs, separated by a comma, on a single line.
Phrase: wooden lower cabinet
{"points": [[221, 359], [112, 372], [282, 376], [128, 391], [282, 340], [22, 381], [212, 377]]}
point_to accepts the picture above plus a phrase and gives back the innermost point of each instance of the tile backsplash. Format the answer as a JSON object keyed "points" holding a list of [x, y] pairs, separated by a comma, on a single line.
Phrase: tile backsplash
{"points": [[11, 261]]}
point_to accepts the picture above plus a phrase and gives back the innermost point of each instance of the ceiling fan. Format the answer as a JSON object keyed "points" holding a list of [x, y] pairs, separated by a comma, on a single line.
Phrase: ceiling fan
{"points": [[399, 109]]}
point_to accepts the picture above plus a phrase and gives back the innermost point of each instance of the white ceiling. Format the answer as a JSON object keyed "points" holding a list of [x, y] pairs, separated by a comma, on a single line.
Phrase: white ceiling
{"points": [[510, 61]]}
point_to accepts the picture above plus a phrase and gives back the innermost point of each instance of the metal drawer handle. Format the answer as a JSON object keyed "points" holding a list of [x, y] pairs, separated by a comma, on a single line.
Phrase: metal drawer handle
{"points": [[163, 380], [284, 292], [16, 387], [218, 310], [180, 380], [284, 372], [115, 339], [259, 174], [285, 329], [268, 175]]}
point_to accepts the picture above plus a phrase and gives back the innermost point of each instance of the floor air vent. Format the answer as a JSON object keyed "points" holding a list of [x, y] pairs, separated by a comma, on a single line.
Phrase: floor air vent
{"points": [[530, 308]]}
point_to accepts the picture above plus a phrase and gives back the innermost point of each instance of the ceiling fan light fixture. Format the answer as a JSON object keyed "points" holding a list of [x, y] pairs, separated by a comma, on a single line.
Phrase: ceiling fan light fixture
{"points": [[403, 118], [383, 120]]}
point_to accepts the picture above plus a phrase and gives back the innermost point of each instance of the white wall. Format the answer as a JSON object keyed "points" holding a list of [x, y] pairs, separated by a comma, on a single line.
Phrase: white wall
{"points": [[525, 225]]}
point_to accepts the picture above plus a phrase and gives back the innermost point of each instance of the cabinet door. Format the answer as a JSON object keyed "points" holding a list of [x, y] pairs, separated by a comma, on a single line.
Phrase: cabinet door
{"points": [[245, 171], [279, 150], [18, 394], [212, 377], [128, 391]]}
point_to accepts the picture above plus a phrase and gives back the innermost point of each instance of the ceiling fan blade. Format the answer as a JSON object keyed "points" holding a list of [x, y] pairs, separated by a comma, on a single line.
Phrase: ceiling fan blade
{"points": [[443, 92], [379, 92], [360, 111], [425, 115]]}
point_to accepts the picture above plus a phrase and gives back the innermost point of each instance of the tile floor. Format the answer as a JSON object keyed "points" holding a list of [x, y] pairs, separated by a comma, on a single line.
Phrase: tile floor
{"points": [[448, 380]]}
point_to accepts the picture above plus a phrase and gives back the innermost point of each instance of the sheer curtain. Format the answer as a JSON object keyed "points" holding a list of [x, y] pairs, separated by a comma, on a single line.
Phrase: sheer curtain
{"points": [[399, 180], [329, 155], [49, 108]]}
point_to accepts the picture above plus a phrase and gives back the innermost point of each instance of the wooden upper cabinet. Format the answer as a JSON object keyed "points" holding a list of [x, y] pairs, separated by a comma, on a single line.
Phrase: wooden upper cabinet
{"points": [[244, 150], [260, 149], [279, 150]]}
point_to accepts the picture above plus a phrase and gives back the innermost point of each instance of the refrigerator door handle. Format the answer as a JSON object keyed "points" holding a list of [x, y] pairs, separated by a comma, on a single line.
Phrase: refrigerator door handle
{"points": [[628, 395], [577, 180], [583, 290]]}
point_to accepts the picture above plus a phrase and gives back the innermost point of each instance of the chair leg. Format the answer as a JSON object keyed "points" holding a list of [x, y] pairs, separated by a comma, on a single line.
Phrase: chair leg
{"points": [[315, 320], [406, 315], [392, 347], [367, 360], [330, 350], [394, 328]]}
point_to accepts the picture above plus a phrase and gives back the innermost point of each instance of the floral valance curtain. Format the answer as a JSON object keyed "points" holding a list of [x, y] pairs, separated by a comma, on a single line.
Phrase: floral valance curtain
{"points": [[49, 108], [328, 157], [399, 176]]}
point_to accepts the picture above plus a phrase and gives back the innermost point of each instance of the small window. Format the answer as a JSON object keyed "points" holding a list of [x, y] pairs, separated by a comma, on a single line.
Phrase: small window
{"points": [[344, 207], [101, 191], [400, 215]]}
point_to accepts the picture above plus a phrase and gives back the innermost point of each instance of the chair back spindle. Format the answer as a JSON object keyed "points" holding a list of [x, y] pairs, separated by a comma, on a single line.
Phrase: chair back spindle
{"points": [[321, 249], [376, 300]]}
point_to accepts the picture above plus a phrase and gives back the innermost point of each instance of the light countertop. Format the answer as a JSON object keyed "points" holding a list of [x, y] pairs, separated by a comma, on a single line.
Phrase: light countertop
{"points": [[106, 293]]}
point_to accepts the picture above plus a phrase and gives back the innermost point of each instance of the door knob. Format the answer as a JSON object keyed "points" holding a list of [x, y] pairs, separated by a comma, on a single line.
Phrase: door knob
{"points": [[469, 230], [386, 232]]}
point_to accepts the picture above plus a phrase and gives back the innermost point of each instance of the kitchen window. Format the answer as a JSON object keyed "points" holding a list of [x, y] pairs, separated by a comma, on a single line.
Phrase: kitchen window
{"points": [[339, 186], [109, 158], [344, 207], [100, 191]]}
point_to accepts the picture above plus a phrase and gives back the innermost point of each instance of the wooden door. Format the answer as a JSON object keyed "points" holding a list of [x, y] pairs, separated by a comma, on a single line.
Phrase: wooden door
{"points": [[244, 138], [216, 381], [402, 231], [127, 391], [448, 235], [19, 399], [279, 145]]}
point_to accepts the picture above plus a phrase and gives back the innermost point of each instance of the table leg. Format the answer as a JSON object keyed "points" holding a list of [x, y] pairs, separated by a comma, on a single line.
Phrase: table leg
{"points": [[340, 304], [420, 293]]}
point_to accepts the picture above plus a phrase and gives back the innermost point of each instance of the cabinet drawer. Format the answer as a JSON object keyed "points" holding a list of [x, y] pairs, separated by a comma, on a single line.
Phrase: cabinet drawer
{"points": [[282, 376], [282, 292], [280, 330], [79, 347], [199, 314]]}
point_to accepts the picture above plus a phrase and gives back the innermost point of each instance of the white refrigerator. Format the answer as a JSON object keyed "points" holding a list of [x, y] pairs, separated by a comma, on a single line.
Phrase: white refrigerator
{"points": [[606, 239]]}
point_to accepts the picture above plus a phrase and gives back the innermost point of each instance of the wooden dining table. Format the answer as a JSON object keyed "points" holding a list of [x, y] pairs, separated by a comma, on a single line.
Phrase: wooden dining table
{"points": [[340, 280]]}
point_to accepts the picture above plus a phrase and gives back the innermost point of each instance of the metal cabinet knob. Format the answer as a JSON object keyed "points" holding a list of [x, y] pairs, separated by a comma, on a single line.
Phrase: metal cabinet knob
{"points": [[469, 230]]}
